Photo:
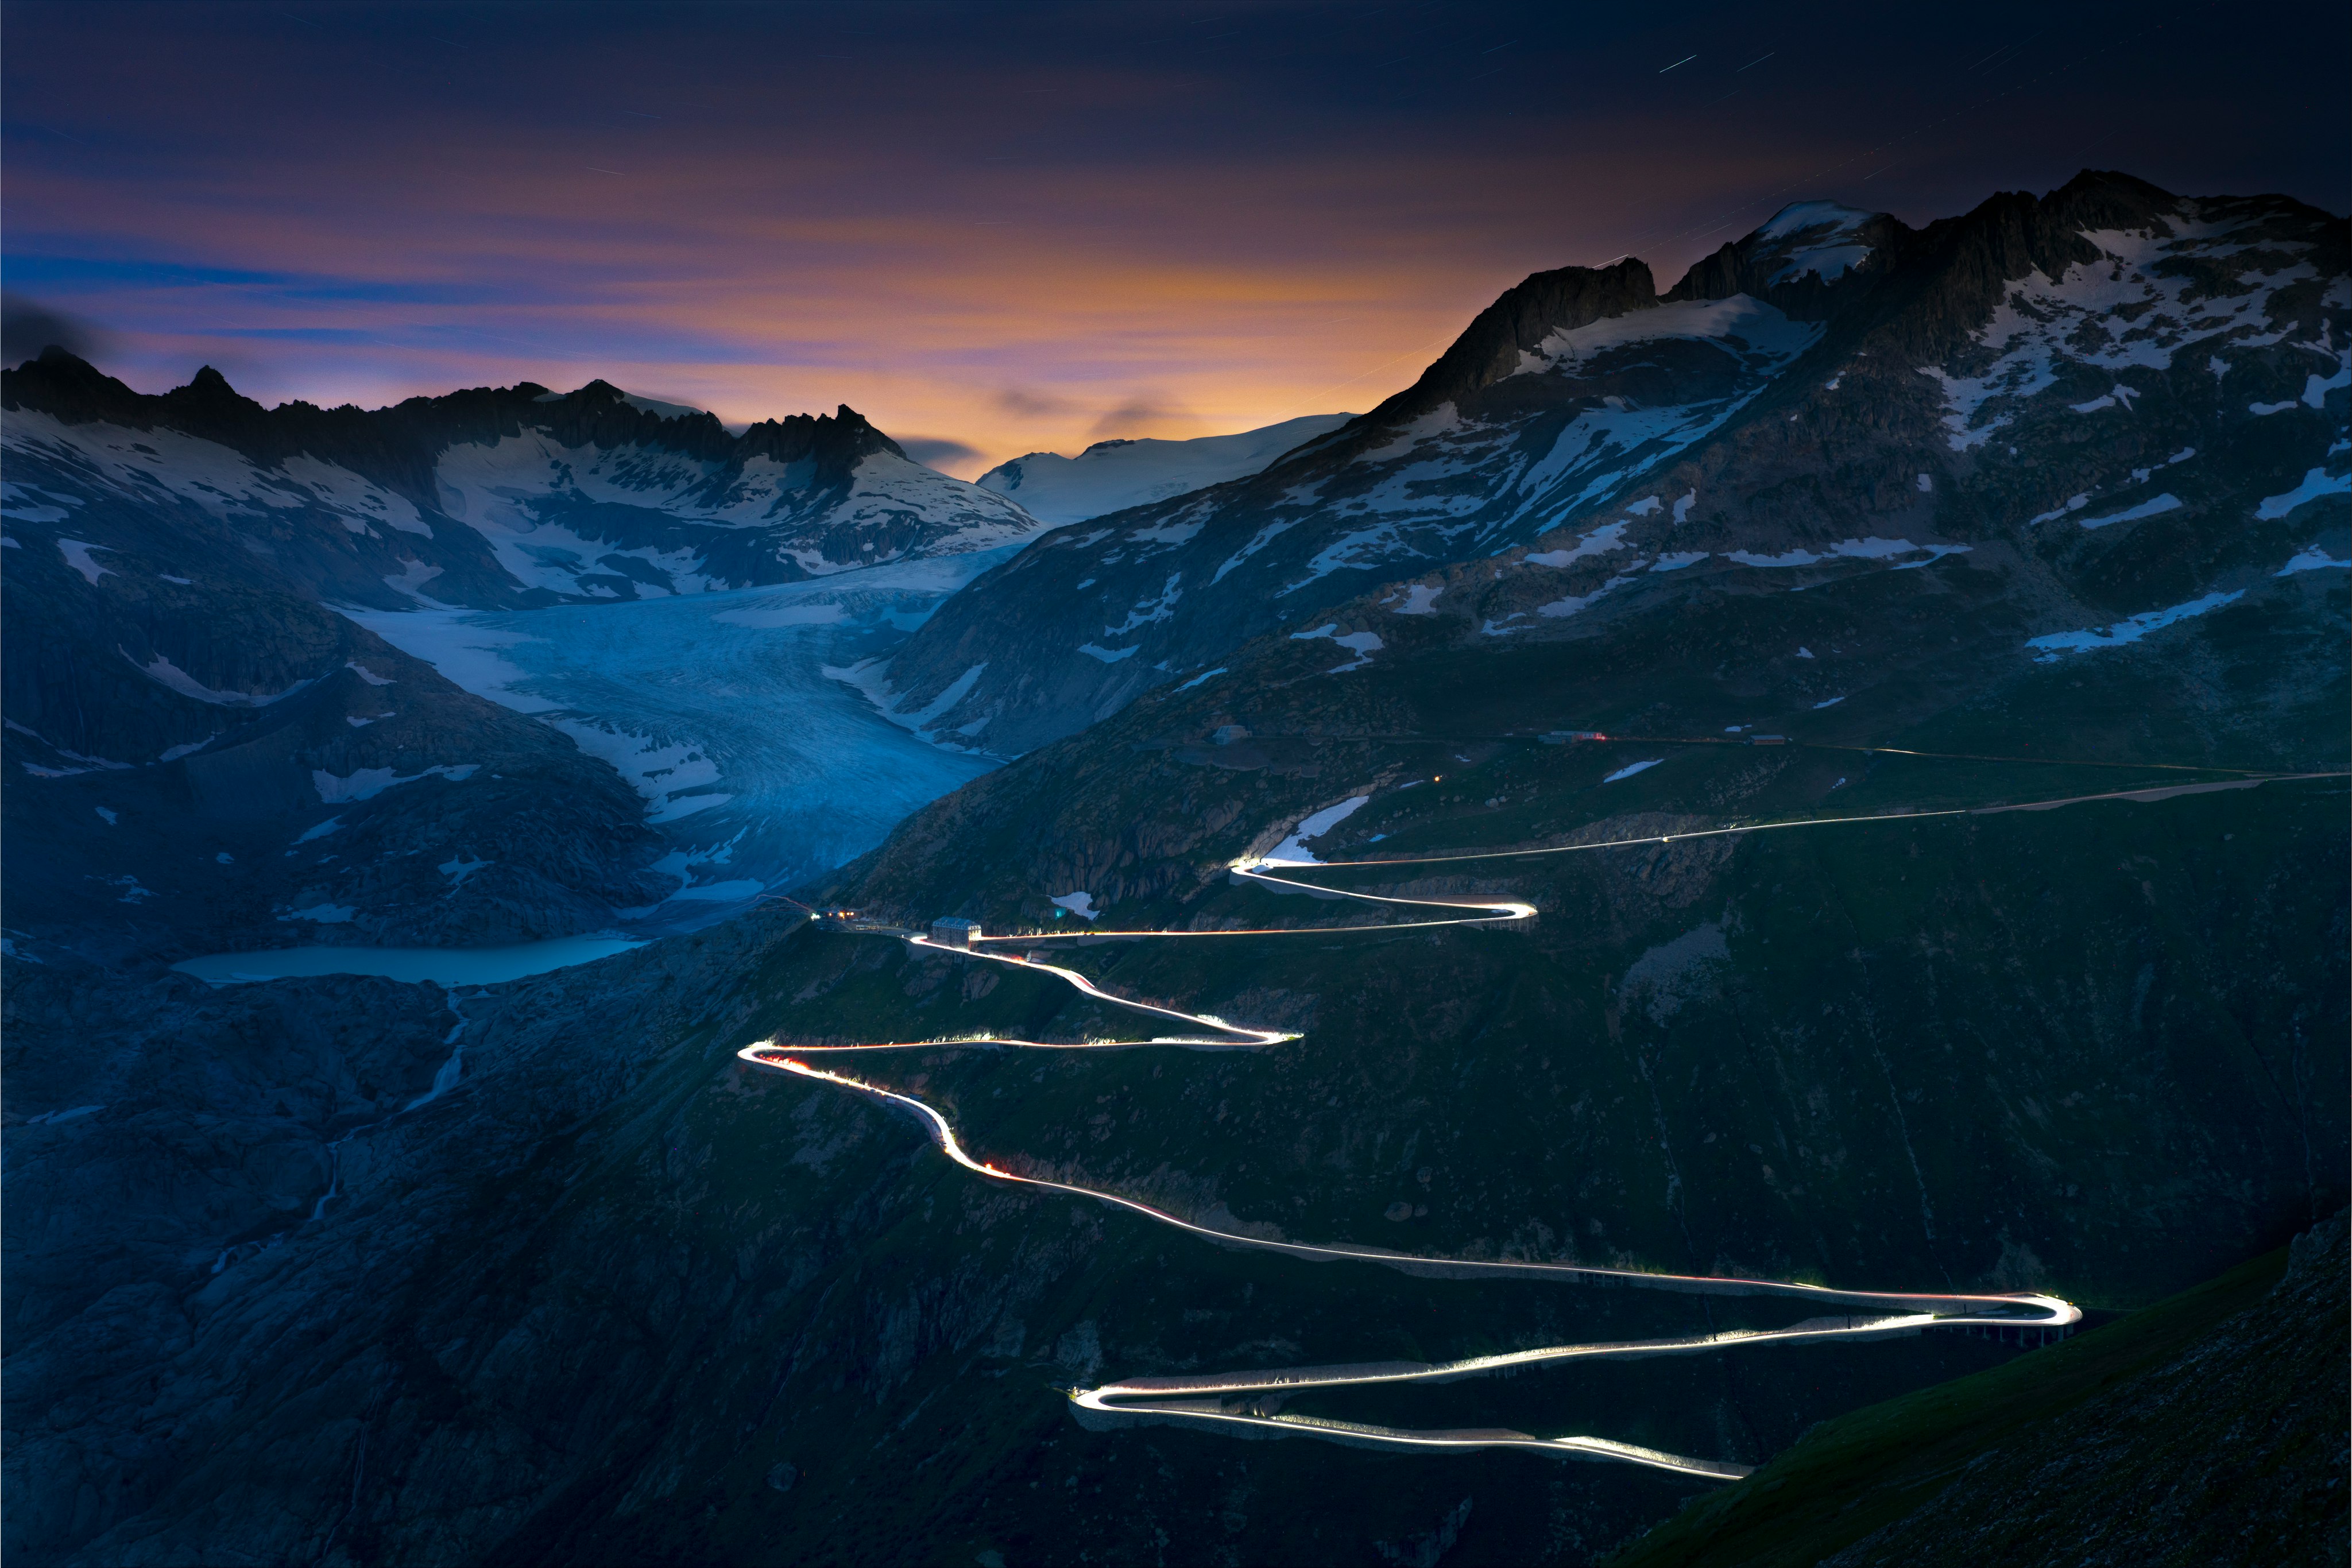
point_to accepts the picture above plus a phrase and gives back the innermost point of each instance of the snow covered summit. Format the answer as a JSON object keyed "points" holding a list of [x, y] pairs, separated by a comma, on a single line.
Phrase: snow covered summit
{"points": [[1833, 390], [1112, 476]]}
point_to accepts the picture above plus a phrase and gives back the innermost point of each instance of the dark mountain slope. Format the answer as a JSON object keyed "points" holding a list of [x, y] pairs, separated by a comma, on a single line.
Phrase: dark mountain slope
{"points": [[2026, 378], [1144, 811], [2207, 1428], [701, 1315], [200, 758], [705, 1316], [2235, 1450]]}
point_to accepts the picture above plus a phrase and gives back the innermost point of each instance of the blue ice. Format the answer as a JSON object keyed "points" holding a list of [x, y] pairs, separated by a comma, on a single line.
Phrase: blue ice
{"points": [[759, 770]]}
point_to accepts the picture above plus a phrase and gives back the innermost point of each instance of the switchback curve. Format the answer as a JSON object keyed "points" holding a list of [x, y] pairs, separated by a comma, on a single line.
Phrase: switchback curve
{"points": [[1252, 1399]]}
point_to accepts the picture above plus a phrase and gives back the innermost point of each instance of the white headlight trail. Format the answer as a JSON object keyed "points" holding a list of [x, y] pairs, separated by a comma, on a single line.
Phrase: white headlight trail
{"points": [[1252, 1399]]}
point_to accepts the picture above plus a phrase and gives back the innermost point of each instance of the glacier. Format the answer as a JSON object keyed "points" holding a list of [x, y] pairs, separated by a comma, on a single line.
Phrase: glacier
{"points": [[758, 769]]}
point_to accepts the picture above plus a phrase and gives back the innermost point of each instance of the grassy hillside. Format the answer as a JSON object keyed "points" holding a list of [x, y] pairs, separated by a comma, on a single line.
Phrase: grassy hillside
{"points": [[2207, 1428]]}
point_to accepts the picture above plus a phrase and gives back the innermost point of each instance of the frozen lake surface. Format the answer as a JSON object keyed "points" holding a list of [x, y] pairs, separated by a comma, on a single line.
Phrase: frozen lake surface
{"points": [[443, 966], [759, 770]]}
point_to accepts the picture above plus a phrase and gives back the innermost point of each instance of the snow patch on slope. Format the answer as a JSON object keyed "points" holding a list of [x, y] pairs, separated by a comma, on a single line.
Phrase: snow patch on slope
{"points": [[1363, 645], [2165, 503], [1293, 850], [2317, 482], [165, 673], [2118, 313], [367, 783], [2050, 647], [1825, 235], [1749, 324], [1872, 548]]}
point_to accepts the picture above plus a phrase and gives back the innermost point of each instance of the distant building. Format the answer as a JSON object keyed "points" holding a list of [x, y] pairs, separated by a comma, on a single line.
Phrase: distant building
{"points": [[951, 931]]}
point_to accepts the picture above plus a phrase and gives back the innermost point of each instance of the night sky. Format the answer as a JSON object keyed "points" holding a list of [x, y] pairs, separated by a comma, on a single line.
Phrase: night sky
{"points": [[999, 229]]}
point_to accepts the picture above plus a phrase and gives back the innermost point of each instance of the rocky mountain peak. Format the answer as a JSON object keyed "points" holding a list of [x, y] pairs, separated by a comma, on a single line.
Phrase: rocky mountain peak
{"points": [[2110, 199], [63, 383], [834, 441], [1544, 303], [1490, 349], [209, 401], [1808, 259], [1641, 445], [601, 415], [849, 418], [1957, 271]]}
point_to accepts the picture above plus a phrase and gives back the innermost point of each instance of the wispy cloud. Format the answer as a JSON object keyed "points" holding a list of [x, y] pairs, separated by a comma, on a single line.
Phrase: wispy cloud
{"points": [[943, 453], [1029, 226]]}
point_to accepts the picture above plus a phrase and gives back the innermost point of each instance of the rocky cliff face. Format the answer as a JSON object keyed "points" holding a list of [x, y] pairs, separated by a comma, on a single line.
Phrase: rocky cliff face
{"points": [[492, 496], [227, 1134], [2124, 388]]}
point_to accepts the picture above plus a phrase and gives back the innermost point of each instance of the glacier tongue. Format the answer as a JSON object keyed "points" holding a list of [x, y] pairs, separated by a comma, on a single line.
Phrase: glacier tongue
{"points": [[758, 769]]}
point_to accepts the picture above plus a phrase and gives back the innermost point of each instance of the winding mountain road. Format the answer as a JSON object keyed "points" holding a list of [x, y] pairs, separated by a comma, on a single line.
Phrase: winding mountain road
{"points": [[1254, 1399]]}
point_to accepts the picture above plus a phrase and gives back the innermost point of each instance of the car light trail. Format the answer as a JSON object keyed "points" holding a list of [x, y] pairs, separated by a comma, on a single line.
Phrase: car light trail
{"points": [[1252, 1399], [1209, 1400]]}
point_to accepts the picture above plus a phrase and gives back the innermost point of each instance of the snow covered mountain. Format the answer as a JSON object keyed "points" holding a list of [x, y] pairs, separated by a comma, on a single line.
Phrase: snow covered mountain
{"points": [[201, 756], [1112, 476], [496, 497], [1835, 392], [206, 756], [2053, 498]]}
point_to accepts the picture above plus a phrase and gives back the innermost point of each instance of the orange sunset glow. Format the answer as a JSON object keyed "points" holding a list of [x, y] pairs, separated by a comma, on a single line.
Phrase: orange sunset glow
{"points": [[989, 233]]}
